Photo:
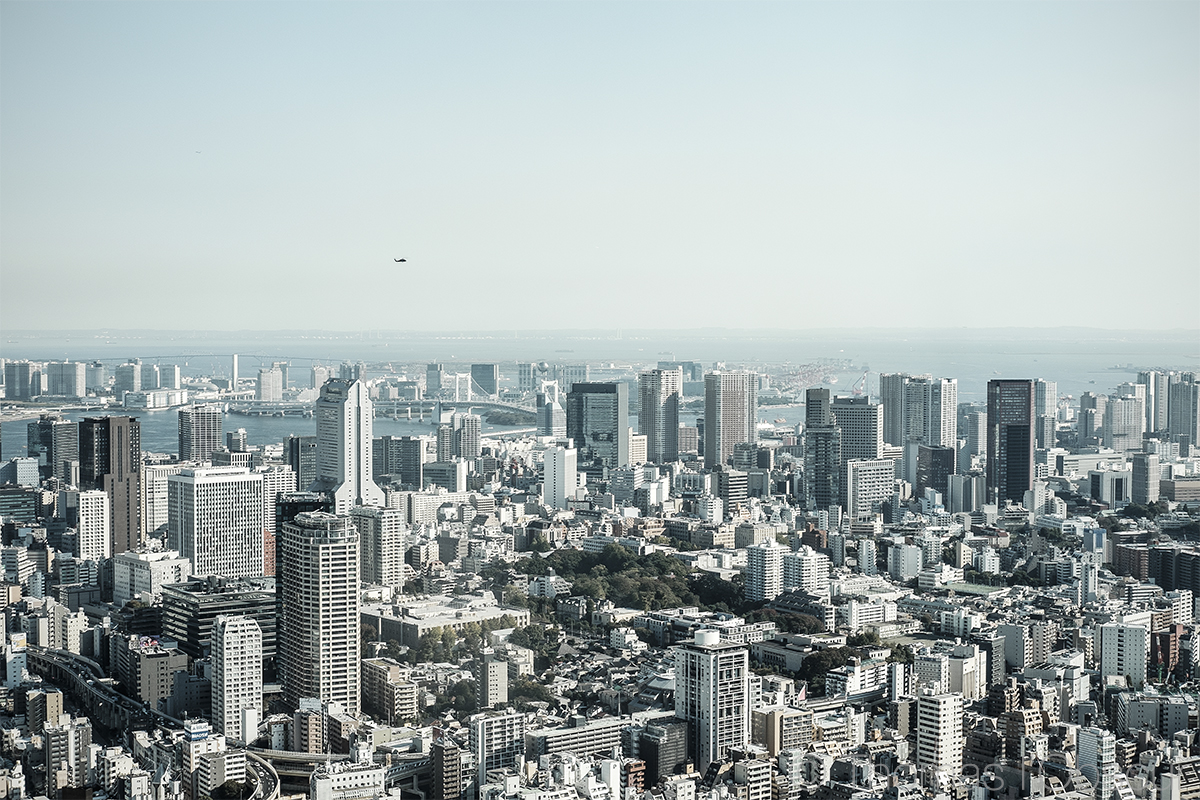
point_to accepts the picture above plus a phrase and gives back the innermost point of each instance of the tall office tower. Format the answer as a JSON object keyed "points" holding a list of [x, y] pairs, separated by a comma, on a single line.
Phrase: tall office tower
{"points": [[447, 769], [659, 393], [237, 678], [934, 465], [559, 476], [1045, 398], [940, 731], [381, 544], [169, 377], [54, 442], [1123, 650], [891, 396], [199, 432], [345, 416], [278, 480], [215, 518], [94, 537], [598, 423], [284, 367], [526, 376], [571, 374], [486, 377], [301, 455], [445, 443], [97, 377], [869, 483], [824, 486], [236, 441], [351, 372], [551, 416], [965, 493], [1096, 756], [434, 375], [150, 377], [1183, 411], [1010, 440], [128, 379], [976, 433], [730, 414], [468, 435], [1124, 420], [155, 500], [67, 378], [497, 741], [712, 695], [1156, 399], [18, 380], [270, 385], [110, 458], [317, 376], [861, 422], [764, 571], [318, 628], [233, 373], [1146, 475]]}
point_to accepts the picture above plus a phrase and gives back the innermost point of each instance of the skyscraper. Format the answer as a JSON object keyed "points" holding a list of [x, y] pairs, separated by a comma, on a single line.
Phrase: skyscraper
{"points": [[237, 683], [318, 640], [487, 378], [919, 408], [345, 418], [381, 540], [868, 484], [559, 476], [434, 373], [1010, 442], [199, 432], [270, 385], [598, 423], [824, 486], [468, 435], [1183, 410], [93, 537], [764, 571], [659, 392], [67, 378], [110, 459], [301, 455], [730, 414], [215, 517], [712, 694], [54, 442]]}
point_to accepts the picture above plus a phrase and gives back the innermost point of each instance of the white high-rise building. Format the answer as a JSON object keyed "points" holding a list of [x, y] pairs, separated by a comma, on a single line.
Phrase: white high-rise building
{"points": [[345, 416], [867, 557], [1097, 759], [154, 494], [940, 731], [730, 414], [659, 393], [94, 540], [318, 640], [215, 520], [868, 484], [806, 569], [1123, 652], [199, 432], [861, 422], [919, 408], [381, 544], [270, 385], [237, 684], [559, 478], [1124, 423], [764, 571], [712, 694], [497, 741]]}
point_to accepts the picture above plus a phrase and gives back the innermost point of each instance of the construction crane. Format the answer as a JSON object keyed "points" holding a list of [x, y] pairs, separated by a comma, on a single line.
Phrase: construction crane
{"points": [[860, 385]]}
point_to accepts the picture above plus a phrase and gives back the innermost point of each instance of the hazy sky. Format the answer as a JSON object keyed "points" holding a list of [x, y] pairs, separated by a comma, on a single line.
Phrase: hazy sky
{"points": [[552, 165]]}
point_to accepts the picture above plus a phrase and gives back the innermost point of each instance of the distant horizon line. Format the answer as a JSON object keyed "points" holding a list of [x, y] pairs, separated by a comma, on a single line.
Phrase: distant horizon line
{"points": [[611, 331]]}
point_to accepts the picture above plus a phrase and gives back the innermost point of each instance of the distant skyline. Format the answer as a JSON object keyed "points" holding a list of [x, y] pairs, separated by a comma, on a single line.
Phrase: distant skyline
{"points": [[558, 166]]}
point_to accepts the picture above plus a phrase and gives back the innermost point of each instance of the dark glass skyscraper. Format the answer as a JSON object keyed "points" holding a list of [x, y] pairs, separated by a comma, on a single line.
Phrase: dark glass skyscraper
{"points": [[110, 459], [1010, 427], [598, 421]]}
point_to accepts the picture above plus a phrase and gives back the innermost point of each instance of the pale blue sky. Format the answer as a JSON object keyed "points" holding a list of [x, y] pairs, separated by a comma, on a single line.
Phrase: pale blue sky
{"points": [[599, 165]]}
